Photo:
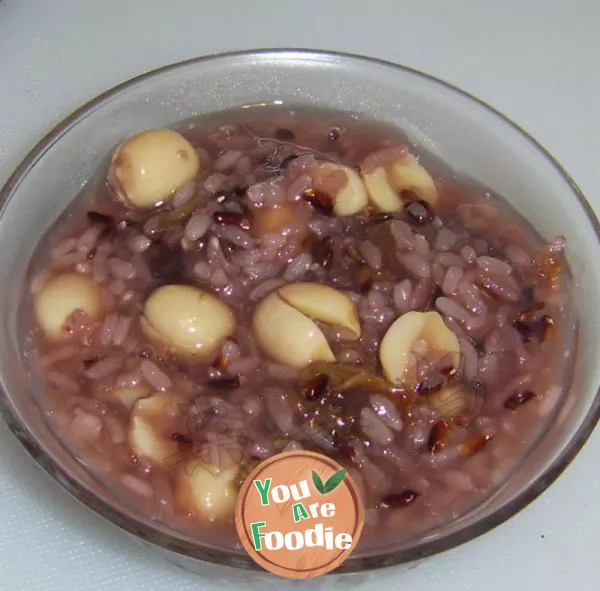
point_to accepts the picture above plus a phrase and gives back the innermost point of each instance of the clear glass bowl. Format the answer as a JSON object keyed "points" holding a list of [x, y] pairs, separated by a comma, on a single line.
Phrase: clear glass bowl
{"points": [[469, 135]]}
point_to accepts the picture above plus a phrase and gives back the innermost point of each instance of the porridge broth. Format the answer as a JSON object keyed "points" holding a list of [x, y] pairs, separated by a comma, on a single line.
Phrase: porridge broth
{"points": [[280, 204]]}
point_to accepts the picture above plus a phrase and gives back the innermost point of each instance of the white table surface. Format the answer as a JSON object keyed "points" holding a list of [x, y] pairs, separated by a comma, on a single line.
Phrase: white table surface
{"points": [[535, 60]]}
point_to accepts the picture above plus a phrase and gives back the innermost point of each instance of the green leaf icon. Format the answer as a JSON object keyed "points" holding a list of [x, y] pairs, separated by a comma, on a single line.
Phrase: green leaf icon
{"points": [[318, 482], [333, 482]]}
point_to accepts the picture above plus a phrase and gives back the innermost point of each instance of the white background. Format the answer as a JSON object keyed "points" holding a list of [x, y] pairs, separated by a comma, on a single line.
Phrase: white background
{"points": [[535, 60]]}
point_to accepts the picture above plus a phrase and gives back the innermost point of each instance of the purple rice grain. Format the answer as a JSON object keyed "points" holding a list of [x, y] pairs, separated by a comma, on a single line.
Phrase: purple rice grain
{"points": [[445, 240], [450, 259], [121, 269], [451, 280], [260, 291], [402, 234], [139, 243], [244, 365], [108, 328], [469, 355], [214, 182], [318, 437], [471, 299], [121, 330], [402, 295], [60, 380], [63, 248], [374, 427], [371, 254], [420, 245], [235, 236], [183, 194], [103, 368], [157, 378], [493, 266], [421, 295], [227, 160], [499, 286], [197, 226], [517, 255], [386, 411], [87, 241], [376, 300], [298, 268], [416, 265], [438, 273], [280, 409], [261, 449], [449, 307], [468, 254], [476, 324]]}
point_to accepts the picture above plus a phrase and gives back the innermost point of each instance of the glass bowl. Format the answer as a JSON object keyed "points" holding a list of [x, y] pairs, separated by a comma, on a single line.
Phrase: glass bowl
{"points": [[467, 134]]}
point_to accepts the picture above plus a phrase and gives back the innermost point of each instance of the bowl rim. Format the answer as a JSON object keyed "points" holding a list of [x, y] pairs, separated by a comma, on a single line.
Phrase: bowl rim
{"points": [[221, 557]]}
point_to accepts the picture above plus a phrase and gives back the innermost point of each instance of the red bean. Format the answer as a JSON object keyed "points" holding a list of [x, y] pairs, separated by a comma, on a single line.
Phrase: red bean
{"points": [[518, 399], [403, 499], [231, 218], [225, 383], [419, 213], [438, 436], [322, 253], [315, 387], [335, 134], [285, 135], [99, 218], [320, 200]]}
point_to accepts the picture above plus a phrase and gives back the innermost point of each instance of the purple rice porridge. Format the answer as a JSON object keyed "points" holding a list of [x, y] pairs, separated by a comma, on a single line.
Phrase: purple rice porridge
{"points": [[277, 280]]}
